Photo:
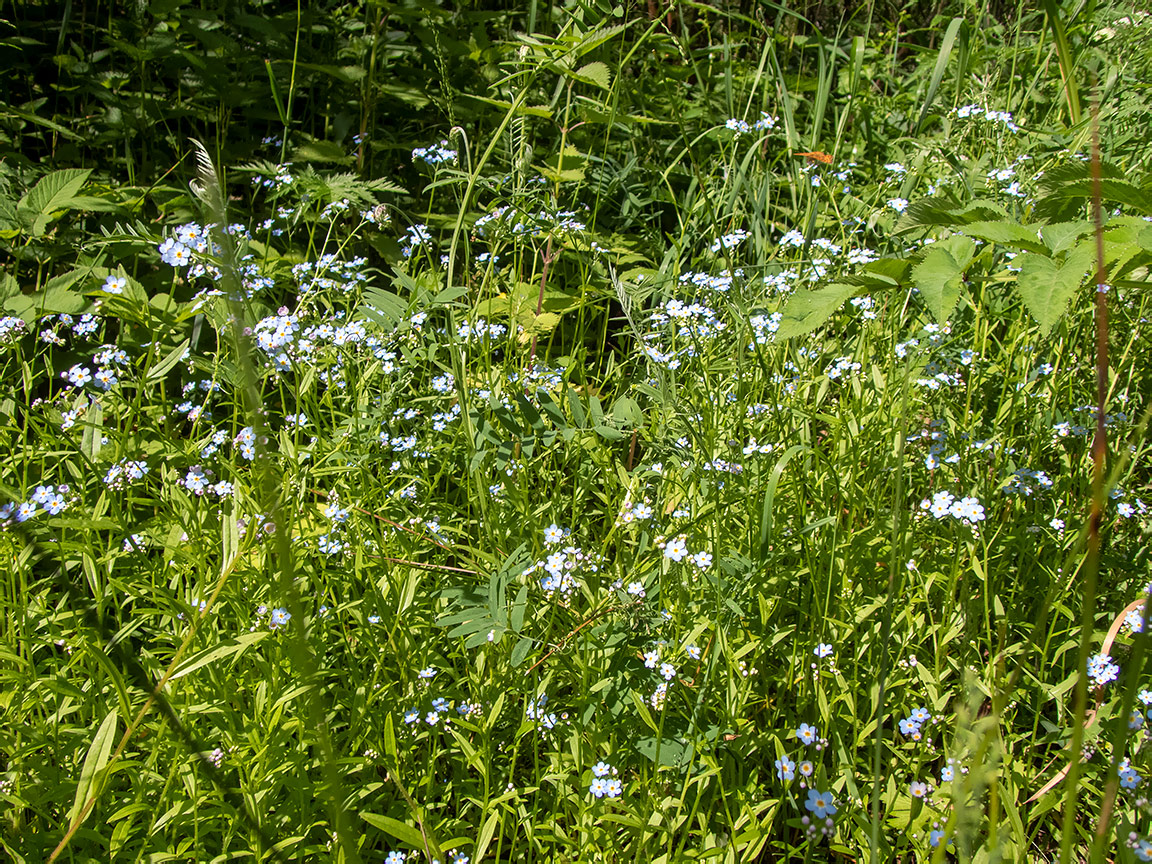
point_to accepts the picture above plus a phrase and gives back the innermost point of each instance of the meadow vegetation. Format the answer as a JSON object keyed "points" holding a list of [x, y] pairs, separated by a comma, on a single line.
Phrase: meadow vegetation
{"points": [[585, 432]]}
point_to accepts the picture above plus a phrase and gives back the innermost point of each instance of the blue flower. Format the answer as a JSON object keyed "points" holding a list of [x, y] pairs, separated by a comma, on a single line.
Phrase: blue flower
{"points": [[807, 734], [279, 618], [785, 768], [908, 726], [820, 804]]}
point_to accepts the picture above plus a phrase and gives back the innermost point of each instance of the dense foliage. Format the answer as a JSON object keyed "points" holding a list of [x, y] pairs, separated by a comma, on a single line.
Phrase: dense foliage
{"points": [[590, 432]]}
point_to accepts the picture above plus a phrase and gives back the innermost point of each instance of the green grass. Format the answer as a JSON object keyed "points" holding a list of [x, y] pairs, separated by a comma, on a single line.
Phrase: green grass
{"points": [[623, 441]]}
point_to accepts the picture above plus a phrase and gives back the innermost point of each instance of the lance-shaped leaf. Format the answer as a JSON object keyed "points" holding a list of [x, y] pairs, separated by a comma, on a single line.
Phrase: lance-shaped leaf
{"points": [[941, 273], [91, 775], [1047, 285]]}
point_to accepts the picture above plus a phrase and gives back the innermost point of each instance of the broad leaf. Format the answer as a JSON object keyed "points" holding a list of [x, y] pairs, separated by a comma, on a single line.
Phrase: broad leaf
{"points": [[807, 310], [54, 192], [594, 73], [1047, 286], [941, 273], [1006, 234], [1061, 236]]}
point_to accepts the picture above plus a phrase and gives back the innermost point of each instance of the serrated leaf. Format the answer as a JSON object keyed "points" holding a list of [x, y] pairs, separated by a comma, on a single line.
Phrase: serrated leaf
{"points": [[1047, 286], [944, 212], [9, 287], [807, 310], [941, 273], [596, 73], [568, 167], [1061, 236], [322, 151], [94, 763], [895, 269], [54, 192], [1006, 234]]}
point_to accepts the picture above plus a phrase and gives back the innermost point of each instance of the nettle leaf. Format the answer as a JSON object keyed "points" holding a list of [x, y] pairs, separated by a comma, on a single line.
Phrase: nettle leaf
{"points": [[594, 73], [1006, 234], [944, 212], [807, 310], [568, 168], [1061, 236], [53, 193], [1047, 285], [1144, 238], [941, 273]]}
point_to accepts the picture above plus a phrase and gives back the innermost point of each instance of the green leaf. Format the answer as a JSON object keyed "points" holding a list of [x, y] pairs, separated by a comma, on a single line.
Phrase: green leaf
{"points": [[1060, 236], [941, 273], [53, 193], [94, 763], [596, 74], [486, 834], [1047, 286], [395, 828], [666, 751], [521, 110], [1006, 234], [807, 310], [217, 652], [938, 72], [383, 307], [568, 167], [608, 433], [170, 360], [318, 150], [389, 737], [947, 213]]}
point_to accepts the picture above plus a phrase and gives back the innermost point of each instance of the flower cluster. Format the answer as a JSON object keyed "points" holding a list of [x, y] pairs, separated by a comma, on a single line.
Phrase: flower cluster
{"points": [[435, 154], [603, 785], [1101, 669], [967, 510]]}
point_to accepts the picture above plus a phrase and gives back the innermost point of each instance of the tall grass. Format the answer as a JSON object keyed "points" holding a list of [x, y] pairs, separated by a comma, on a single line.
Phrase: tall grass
{"points": [[658, 436]]}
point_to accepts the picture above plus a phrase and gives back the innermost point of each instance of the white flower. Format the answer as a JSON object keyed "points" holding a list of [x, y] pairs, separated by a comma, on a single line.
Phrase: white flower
{"points": [[676, 549]]}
